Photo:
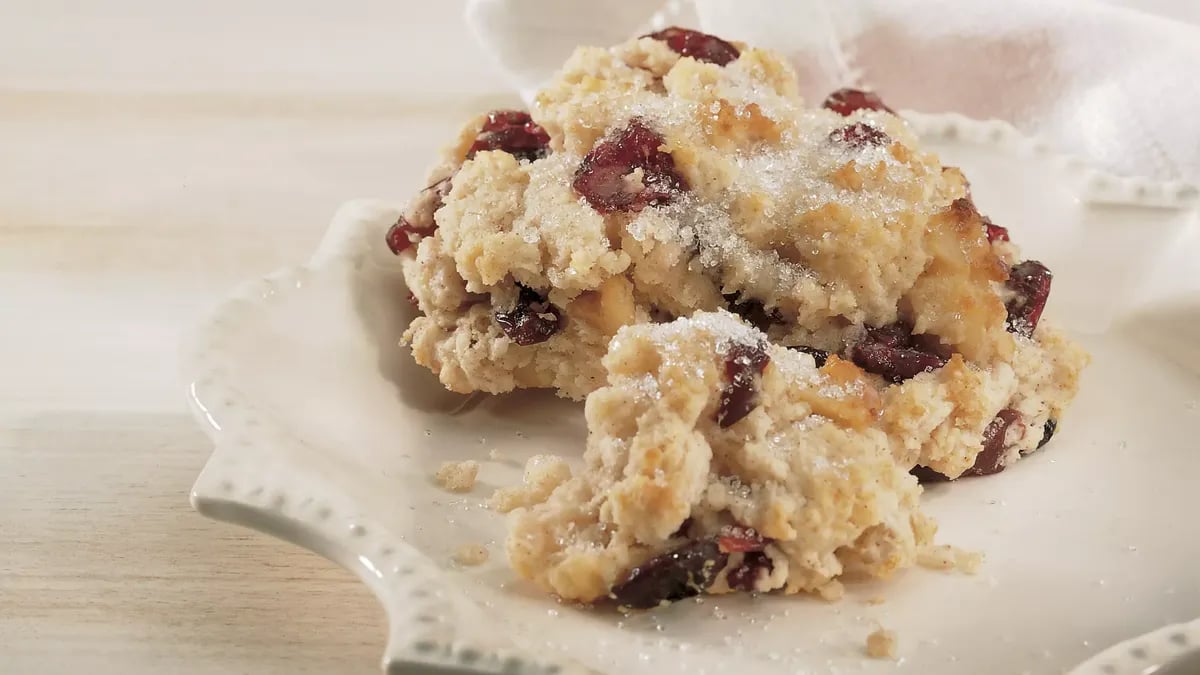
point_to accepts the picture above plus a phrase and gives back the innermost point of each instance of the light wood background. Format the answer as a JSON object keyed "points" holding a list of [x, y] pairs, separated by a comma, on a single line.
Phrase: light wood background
{"points": [[152, 155]]}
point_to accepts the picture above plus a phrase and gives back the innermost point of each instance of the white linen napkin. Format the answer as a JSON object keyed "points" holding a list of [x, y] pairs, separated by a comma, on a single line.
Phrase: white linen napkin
{"points": [[1116, 87]]}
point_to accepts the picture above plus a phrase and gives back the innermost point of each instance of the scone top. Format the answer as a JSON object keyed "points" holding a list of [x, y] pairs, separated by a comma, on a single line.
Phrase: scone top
{"points": [[593, 245], [679, 173], [824, 216]]}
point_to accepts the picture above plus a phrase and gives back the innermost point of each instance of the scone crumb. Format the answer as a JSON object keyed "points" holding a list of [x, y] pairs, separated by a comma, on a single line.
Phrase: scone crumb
{"points": [[471, 554], [967, 562], [832, 591], [457, 476], [876, 600], [945, 557], [496, 456], [543, 473], [507, 499], [881, 644], [940, 557]]}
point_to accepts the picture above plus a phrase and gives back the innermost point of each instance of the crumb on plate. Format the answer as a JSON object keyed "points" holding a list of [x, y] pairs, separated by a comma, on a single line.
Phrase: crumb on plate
{"points": [[471, 554], [543, 473], [945, 557], [881, 644], [832, 591], [967, 562], [457, 476]]}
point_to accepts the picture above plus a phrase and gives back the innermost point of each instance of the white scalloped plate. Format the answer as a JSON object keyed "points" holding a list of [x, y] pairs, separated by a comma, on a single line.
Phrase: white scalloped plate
{"points": [[1171, 650], [327, 434]]}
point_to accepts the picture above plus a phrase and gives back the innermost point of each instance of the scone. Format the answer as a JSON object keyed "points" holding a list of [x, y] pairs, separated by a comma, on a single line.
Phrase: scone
{"points": [[718, 462], [678, 173]]}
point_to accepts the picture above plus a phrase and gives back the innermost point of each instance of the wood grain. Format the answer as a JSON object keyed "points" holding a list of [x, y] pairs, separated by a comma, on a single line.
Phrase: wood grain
{"points": [[151, 160], [111, 568]]}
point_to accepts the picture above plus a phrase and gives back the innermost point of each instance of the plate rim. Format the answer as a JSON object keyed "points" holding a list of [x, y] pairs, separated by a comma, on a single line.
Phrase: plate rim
{"points": [[1145, 653], [242, 484]]}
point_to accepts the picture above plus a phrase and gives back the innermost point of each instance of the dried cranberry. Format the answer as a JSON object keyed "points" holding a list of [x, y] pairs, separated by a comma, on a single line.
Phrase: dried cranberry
{"points": [[897, 335], [683, 528], [533, 320], [744, 576], [930, 344], [819, 355], [1048, 432], [700, 46], [743, 365], [514, 132], [687, 571], [660, 315], [896, 365], [846, 101], [600, 178], [994, 231], [499, 120], [737, 539], [890, 351], [753, 311], [859, 135], [991, 458], [1030, 285], [925, 474], [403, 234]]}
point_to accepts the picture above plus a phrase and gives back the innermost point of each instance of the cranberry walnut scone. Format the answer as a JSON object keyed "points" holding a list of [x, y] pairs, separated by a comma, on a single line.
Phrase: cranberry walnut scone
{"points": [[718, 462], [679, 173], [777, 315]]}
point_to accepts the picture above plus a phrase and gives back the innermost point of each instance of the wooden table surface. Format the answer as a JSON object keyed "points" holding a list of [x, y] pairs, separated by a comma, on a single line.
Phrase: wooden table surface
{"points": [[152, 155], [149, 160]]}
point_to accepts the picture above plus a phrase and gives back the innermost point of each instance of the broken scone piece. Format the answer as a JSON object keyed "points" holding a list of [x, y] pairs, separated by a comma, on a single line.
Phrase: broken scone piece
{"points": [[718, 462]]}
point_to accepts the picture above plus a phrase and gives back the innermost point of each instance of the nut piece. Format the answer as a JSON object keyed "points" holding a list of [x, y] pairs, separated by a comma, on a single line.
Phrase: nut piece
{"points": [[608, 307], [881, 644], [457, 476]]}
